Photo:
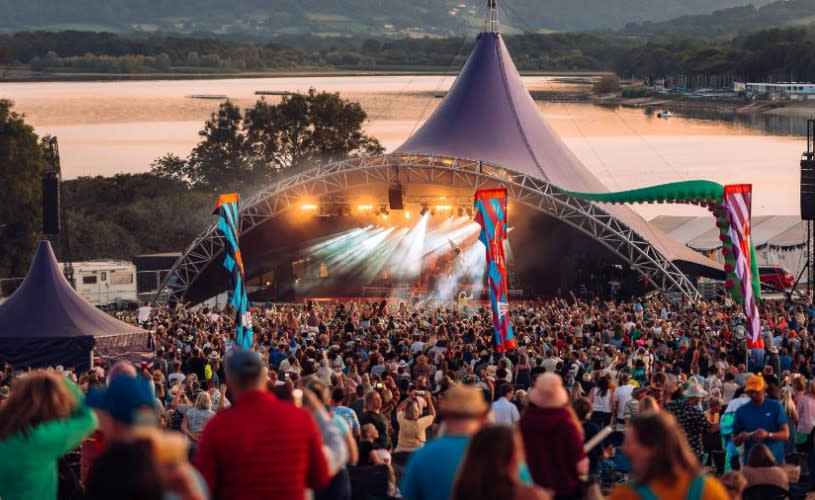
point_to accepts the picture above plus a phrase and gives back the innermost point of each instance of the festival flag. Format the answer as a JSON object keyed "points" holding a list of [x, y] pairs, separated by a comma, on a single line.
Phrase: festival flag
{"points": [[491, 215], [737, 202], [229, 225]]}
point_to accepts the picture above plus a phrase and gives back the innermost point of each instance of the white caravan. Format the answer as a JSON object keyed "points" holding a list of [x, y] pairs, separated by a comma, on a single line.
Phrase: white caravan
{"points": [[105, 282]]}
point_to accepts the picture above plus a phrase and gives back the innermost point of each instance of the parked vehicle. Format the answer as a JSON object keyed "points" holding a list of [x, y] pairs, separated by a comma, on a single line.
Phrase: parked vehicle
{"points": [[105, 282], [776, 277]]}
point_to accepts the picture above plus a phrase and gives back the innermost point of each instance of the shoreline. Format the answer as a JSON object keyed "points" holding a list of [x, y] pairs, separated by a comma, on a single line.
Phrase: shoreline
{"points": [[788, 109], [17, 75]]}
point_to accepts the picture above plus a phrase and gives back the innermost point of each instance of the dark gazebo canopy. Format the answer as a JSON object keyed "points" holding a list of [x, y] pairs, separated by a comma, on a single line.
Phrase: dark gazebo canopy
{"points": [[46, 323]]}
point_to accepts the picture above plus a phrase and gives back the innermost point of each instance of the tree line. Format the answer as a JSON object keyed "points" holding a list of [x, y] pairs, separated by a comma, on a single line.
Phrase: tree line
{"points": [[766, 55]]}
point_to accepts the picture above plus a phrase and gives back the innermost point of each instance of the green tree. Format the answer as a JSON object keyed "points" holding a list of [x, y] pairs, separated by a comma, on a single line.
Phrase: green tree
{"points": [[236, 150], [21, 167], [306, 129], [607, 84]]}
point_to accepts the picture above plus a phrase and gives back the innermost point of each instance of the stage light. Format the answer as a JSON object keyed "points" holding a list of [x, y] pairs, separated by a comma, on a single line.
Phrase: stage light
{"points": [[365, 208], [424, 211], [407, 214], [443, 208], [383, 211], [308, 207]]}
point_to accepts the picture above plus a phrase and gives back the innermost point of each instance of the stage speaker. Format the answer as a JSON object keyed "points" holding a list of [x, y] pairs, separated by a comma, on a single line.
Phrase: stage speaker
{"points": [[50, 203], [808, 189], [396, 197]]}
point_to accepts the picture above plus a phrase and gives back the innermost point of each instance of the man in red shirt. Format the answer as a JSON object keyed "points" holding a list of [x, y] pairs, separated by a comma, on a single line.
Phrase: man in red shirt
{"points": [[261, 447]]}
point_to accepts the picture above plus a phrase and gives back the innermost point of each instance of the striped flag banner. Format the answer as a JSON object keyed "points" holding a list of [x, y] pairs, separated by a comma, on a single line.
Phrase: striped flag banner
{"points": [[491, 215], [737, 203], [229, 225]]}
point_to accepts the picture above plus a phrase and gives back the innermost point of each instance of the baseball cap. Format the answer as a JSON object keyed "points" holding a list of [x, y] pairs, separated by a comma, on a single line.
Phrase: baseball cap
{"points": [[754, 383], [123, 398], [243, 363]]}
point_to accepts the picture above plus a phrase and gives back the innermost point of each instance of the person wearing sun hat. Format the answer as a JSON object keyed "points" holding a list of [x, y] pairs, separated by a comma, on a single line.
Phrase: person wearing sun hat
{"points": [[690, 416], [430, 472], [762, 420], [553, 438]]}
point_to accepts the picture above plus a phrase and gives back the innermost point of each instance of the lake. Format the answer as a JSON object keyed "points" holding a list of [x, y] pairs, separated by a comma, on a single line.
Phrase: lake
{"points": [[106, 128]]}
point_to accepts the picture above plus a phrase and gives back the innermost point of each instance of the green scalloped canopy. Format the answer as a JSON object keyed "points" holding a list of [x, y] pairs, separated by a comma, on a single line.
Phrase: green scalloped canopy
{"points": [[684, 191]]}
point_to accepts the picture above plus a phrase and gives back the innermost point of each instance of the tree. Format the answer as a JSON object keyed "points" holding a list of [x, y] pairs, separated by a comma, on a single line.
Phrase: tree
{"points": [[607, 84], [21, 167], [306, 129]]}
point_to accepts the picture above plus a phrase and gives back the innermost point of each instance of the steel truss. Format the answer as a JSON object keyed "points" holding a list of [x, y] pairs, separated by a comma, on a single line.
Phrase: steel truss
{"points": [[383, 170]]}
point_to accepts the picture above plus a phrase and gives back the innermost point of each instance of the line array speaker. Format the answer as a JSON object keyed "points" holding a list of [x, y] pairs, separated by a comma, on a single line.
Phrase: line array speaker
{"points": [[396, 197], [808, 189]]}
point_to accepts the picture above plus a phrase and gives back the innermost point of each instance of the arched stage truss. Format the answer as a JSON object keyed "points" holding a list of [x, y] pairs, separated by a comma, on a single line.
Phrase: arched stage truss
{"points": [[384, 170]]}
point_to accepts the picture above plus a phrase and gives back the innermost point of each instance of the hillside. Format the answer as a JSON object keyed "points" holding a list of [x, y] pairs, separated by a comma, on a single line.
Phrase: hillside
{"points": [[727, 23], [335, 17]]}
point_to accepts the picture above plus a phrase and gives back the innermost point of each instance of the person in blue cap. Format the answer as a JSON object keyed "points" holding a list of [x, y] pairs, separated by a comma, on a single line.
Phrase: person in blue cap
{"points": [[128, 414]]}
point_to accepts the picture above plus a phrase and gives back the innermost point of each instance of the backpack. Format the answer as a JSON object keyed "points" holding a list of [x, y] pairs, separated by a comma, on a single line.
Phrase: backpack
{"points": [[697, 486]]}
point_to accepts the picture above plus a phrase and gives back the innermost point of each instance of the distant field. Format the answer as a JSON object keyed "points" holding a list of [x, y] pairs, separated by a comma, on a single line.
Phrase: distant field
{"points": [[76, 27], [327, 18]]}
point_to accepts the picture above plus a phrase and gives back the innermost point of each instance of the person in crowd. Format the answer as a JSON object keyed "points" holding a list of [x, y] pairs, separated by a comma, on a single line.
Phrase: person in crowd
{"points": [[762, 420], [412, 425], [503, 411], [241, 446], [691, 417], [127, 413], [43, 418], [340, 446], [491, 467], [553, 438], [196, 417], [582, 407], [338, 398], [805, 406], [430, 471], [662, 463], [602, 401], [622, 395], [373, 415], [761, 468]]}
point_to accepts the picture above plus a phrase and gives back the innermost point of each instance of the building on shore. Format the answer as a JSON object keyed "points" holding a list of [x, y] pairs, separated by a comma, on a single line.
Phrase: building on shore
{"points": [[783, 90]]}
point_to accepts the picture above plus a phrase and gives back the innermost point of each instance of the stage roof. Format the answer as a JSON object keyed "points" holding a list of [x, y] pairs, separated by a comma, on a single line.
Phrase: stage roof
{"points": [[489, 115]]}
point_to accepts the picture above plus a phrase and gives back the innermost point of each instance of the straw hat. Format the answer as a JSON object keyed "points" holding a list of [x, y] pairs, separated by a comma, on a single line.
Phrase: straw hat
{"points": [[463, 401], [695, 390], [548, 392]]}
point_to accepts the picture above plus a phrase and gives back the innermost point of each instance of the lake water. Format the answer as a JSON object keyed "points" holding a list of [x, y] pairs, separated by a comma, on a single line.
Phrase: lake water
{"points": [[110, 127]]}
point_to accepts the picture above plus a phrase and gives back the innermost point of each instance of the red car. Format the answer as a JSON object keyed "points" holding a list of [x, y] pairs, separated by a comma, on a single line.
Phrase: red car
{"points": [[776, 277]]}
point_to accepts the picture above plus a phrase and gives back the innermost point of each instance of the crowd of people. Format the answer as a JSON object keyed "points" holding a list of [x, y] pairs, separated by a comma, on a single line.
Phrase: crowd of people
{"points": [[649, 398]]}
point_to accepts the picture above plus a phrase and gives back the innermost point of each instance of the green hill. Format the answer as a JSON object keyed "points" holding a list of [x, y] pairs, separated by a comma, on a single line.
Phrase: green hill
{"points": [[340, 17], [727, 23]]}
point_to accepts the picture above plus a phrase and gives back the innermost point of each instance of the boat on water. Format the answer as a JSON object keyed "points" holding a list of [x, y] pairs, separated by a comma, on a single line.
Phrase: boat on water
{"points": [[665, 114], [218, 97]]}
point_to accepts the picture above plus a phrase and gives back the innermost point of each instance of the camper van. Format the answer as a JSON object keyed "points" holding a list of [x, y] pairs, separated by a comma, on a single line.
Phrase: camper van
{"points": [[105, 282]]}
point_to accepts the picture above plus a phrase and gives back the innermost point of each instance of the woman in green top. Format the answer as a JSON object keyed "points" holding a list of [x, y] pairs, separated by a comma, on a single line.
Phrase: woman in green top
{"points": [[44, 418]]}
